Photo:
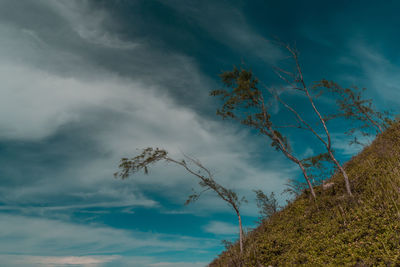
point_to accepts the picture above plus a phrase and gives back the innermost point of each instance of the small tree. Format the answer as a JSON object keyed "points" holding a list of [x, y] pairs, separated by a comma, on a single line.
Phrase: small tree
{"points": [[295, 81], [150, 156], [267, 205], [244, 102]]}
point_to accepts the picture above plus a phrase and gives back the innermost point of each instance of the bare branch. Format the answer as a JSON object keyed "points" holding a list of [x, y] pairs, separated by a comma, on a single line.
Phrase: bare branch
{"points": [[327, 143]]}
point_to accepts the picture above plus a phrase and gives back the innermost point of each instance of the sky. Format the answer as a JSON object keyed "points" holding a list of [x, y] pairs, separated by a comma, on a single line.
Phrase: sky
{"points": [[85, 83]]}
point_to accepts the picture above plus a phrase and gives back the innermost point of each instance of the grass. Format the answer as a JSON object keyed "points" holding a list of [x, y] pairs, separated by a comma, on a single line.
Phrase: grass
{"points": [[335, 230]]}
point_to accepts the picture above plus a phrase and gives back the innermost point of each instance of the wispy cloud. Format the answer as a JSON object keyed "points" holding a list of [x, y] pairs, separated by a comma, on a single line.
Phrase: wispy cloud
{"points": [[221, 228], [33, 236], [227, 24], [13, 260], [341, 143], [90, 23], [380, 74], [29, 260]]}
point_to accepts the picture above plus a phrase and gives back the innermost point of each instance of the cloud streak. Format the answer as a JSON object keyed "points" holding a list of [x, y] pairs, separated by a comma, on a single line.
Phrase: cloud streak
{"points": [[233, 30]]}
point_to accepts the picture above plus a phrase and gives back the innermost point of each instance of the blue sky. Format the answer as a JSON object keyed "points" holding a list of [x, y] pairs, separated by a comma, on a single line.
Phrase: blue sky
{"points": [[85, 83]]}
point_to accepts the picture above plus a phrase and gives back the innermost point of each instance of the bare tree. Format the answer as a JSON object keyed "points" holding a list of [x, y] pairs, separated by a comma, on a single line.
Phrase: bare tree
{"points": [[295, 81], [244, 102], [150, 156]]}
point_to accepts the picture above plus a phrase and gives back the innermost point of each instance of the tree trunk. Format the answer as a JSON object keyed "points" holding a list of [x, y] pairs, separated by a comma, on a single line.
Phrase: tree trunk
{"points": [[307, 179], [328, 145], [294, 159], [375, 124], [346, 178], [240, 233]]}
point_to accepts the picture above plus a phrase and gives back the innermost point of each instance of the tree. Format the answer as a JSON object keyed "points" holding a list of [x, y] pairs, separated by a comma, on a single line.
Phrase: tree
{"points": [[244, 102], [150, 156], [295, 81], [267, 205]]}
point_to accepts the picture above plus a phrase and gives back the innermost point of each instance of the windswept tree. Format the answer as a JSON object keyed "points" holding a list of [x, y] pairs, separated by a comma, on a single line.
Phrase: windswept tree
{"points": [[151, 155], [355, 107], [295, 81], [245, 102]]}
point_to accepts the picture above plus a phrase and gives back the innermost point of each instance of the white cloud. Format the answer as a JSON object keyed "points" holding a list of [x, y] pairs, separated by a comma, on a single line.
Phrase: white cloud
{"points": [[34, 241], [35, 103], [221, 228], [85, 261], [341, 143], [37, 261], [89, 23], [179, 264], [12, 260]]}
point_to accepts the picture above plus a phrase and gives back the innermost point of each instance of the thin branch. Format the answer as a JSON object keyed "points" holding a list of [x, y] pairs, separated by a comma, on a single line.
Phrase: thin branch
{"points": [[300, 118]]}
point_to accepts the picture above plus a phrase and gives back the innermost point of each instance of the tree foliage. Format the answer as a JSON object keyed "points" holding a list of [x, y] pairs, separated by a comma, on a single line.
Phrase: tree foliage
{"points": [[354, 106], [244, 102]]}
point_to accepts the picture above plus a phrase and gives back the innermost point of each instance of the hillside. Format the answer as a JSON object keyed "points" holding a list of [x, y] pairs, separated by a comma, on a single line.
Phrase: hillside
{"points": [[336, 230]]}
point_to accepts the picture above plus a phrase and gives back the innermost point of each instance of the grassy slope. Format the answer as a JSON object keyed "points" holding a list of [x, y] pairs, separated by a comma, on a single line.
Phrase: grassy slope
{"points": [[336, 230]]}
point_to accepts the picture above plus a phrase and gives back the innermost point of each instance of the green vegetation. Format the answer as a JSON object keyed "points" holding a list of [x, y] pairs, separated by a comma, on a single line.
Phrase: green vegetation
{"points": [[335, 229]]}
